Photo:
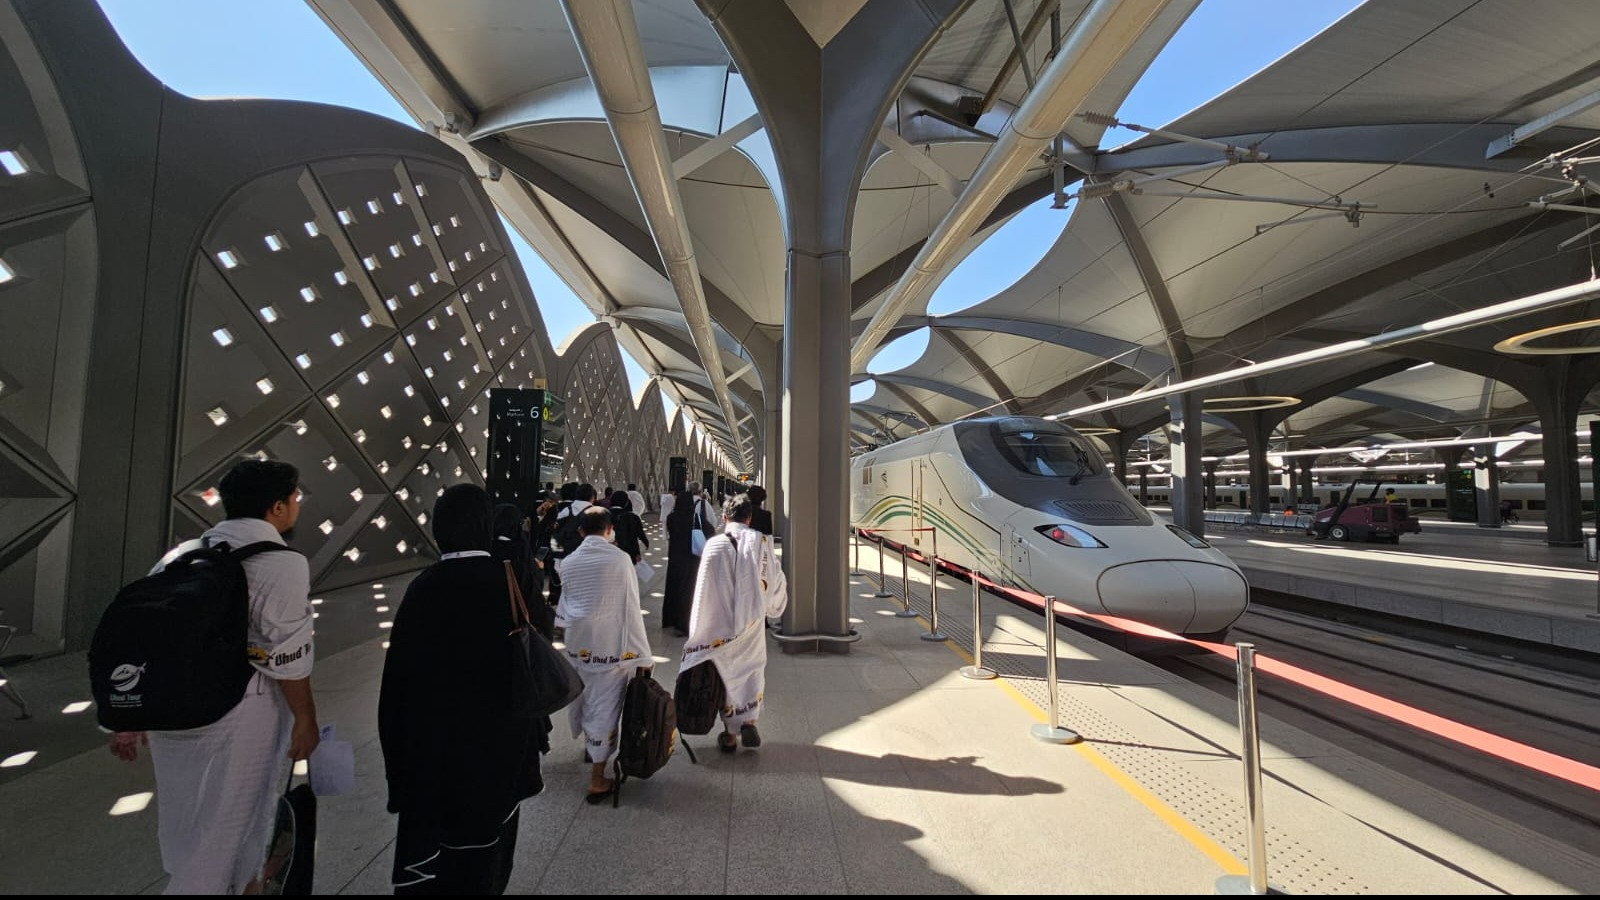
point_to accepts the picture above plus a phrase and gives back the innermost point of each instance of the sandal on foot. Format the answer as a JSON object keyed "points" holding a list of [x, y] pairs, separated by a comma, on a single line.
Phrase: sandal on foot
{"points": [[595, 798], [727, 743], [749, 735]]}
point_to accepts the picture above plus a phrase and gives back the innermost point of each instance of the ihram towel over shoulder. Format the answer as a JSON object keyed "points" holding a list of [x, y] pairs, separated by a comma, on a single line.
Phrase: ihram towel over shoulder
{"points": [[740, 585]]}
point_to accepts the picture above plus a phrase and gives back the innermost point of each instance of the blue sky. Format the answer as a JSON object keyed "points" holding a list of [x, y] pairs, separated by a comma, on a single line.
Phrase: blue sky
{"points": [[281, 49]]}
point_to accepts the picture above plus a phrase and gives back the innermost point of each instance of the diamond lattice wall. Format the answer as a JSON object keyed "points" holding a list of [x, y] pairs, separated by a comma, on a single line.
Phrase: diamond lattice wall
{"points": [[350, 317]]}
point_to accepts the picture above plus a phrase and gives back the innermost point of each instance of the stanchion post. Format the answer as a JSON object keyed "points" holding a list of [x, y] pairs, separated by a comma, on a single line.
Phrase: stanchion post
{"points": [[977, 671], [1250, 754], [1051, 731], [934, 634], [855, 552], [883, 583], [905, 588]]}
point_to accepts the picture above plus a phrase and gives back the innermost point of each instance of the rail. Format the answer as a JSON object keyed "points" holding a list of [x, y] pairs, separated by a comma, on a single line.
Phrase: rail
{"points": [[1248, 663]]}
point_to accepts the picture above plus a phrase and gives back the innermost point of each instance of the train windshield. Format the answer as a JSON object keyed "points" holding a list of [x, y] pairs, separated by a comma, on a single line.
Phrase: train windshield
{"points": [[1053, 454]]}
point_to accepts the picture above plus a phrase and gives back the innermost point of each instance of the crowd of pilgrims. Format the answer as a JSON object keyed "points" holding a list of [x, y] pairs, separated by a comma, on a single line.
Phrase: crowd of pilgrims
{"points": [[457, 769], [459, 754]]}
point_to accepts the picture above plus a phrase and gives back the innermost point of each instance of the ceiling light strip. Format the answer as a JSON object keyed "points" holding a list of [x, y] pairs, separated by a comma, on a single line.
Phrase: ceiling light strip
{"points": [[1498, 312]]}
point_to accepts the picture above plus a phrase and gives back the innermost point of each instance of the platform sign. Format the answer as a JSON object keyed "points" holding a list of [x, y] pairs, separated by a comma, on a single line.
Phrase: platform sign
{"points": [[527, 443], [1461, 495]]}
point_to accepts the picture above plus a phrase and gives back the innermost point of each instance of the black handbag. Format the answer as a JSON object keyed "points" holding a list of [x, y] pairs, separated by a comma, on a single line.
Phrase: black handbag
{"points": [[542, 681], [292, 854]]}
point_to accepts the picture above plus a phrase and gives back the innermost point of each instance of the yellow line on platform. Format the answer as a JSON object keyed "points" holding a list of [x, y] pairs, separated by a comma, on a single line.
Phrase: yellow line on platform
{"points": [[1185, 829]]}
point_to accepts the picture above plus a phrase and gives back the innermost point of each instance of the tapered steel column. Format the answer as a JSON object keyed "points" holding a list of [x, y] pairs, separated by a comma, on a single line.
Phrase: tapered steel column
{"points": [[1188, 511]]}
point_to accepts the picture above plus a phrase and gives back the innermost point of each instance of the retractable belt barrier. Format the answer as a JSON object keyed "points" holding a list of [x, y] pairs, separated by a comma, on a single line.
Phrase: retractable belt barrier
{"points": [[1246, 661], [1570, 770]]}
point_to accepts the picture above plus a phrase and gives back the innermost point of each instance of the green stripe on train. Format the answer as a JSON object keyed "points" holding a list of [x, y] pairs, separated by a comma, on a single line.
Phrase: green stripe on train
{"points": [[897, 506]]}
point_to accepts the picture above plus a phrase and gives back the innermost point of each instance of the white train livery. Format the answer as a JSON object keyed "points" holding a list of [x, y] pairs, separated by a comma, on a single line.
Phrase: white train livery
{"points": [[1030, 503]]}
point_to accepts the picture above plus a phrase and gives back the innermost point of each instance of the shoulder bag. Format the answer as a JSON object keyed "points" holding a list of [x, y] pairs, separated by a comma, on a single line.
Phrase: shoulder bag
{"points": [[542, 681], [697, 537]]}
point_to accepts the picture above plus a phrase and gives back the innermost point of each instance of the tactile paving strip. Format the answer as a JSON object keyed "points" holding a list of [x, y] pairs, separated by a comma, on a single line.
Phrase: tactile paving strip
{"points": [[1292, 866]]}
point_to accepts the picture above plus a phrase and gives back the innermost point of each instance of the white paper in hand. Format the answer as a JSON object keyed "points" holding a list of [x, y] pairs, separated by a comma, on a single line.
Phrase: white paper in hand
{"points": [[333, 765]]}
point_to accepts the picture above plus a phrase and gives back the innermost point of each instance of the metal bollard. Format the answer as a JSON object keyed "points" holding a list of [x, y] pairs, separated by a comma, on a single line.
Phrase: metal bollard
{"points": [[905, 588], [934, 634], [977, 671], [883, 584], [855, 552], [1250, 754], [1051, 732]]}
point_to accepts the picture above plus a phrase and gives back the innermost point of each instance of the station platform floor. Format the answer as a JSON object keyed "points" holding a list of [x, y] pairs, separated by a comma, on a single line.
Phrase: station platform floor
{"points": [[1506, 581], [882, 770]]}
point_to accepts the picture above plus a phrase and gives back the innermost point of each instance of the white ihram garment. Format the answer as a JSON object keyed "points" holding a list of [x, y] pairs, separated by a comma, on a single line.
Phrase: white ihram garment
{"points": [[666, 507], [637, 499], [217, 786], [605, 637], [739, 585]]}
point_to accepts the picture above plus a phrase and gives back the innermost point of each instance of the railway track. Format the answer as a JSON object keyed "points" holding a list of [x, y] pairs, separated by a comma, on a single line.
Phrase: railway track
{"points": [[1554, 711]]}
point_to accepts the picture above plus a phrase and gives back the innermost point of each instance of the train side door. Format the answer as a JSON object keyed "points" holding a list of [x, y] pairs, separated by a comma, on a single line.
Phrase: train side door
{"points": [[1014, 551], [917, 473], [864, 493]]}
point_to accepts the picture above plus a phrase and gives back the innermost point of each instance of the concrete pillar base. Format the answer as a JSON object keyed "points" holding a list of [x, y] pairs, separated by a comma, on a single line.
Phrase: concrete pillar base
{"points": [[795, 648]]}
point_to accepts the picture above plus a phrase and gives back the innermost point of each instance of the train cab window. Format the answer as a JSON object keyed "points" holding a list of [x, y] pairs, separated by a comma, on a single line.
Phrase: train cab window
{"points": [[1439, 504], [1517, 504], [1053, 454], [1418, 503], [1536, 505], [866, 471]]}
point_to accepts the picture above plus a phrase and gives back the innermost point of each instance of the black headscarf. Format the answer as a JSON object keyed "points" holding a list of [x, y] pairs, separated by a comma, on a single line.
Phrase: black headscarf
{"points": [[463, 519], [682, 507], [507, 520]]}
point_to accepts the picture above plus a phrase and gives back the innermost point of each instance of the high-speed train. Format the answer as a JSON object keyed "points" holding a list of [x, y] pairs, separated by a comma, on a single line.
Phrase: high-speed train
{"points": [[1030, 503]]}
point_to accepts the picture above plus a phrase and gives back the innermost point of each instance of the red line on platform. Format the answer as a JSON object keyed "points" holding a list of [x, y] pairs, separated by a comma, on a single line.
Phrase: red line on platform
{"points": [[1551, 764]]}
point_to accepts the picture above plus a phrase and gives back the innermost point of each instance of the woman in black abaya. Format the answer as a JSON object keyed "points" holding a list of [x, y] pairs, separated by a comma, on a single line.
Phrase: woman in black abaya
{"points": [[458, 764], [682, 565]]}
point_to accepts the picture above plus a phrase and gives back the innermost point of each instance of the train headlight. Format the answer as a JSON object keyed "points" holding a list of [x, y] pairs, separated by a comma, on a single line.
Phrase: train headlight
{"points": [[1069, 536], [1188, 538]]}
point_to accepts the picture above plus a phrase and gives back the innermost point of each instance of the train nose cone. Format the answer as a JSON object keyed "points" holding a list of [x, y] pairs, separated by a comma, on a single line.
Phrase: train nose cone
{"points": [[1178, 595]]}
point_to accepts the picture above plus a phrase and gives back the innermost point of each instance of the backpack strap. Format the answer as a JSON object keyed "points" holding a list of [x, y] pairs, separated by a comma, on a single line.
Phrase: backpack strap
{"points": [[249, 550]]}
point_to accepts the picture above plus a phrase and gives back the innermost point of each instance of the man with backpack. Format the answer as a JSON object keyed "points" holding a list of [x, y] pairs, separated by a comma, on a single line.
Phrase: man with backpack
{"points": [[218, 784], [567, 528], [605, 639], [560, 524], [739, 585]]}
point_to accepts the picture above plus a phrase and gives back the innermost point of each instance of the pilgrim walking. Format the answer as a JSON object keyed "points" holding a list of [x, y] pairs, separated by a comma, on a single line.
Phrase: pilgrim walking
{"points": [[458, 763], [605, 639], [740, 584]]}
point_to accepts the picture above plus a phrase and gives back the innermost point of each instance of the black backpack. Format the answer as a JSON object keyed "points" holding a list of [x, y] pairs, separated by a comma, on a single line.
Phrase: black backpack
{"points": [[171, 651], [567, 535], [698, 698], [649, 730]]}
